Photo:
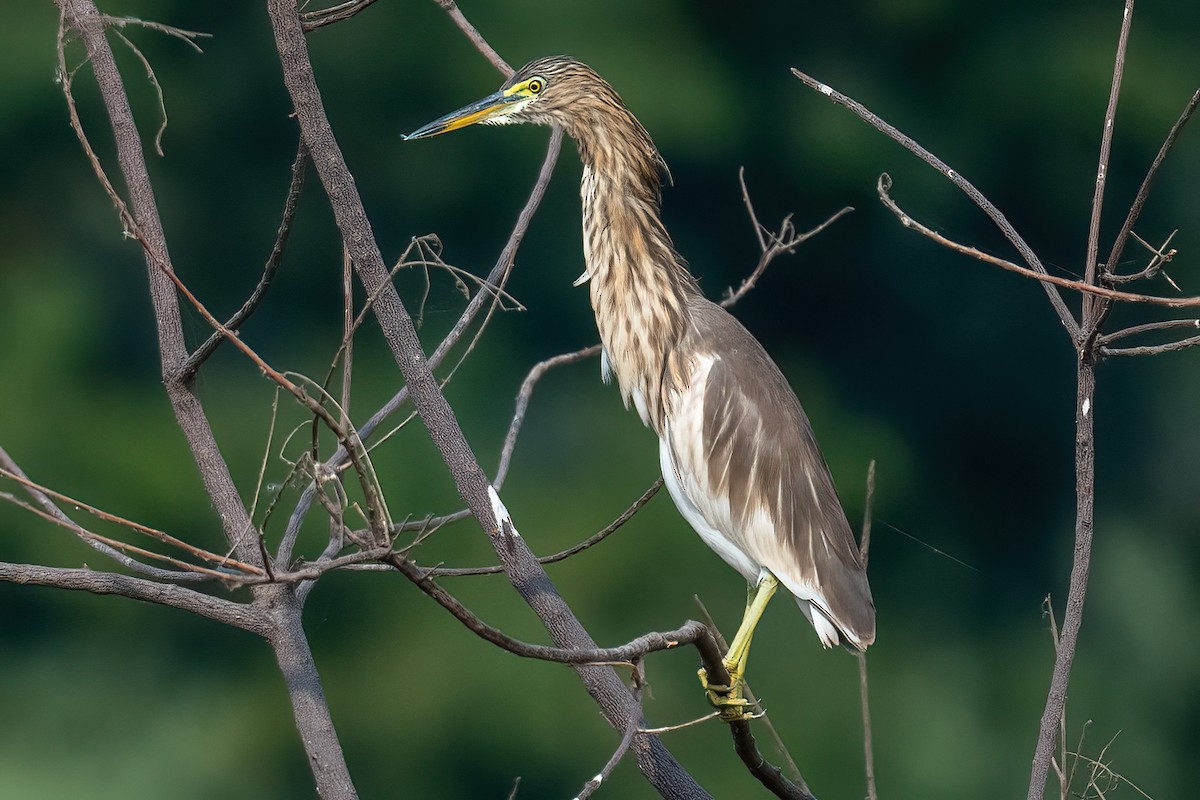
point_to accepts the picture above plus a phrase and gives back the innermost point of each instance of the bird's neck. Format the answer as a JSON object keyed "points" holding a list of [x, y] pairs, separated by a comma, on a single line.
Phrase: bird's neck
{"points": [[639, 284]]}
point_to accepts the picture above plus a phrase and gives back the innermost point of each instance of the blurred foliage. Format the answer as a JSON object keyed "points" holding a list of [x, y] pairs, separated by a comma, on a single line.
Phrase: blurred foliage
{"points": [[957, 378]]}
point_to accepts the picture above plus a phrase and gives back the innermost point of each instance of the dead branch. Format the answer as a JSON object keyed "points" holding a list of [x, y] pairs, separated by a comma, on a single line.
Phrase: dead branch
{"points": [[235, 322], [497, 276], [469, 30], [639, 682], [562, 555], [142, 213], [311, 20], [884, 188], [1139, 201], [864, 550], [772, 243], [236, 614], [977, 197], [521, 567]]}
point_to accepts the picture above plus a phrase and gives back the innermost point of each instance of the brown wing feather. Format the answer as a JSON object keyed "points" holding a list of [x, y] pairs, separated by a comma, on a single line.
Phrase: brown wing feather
{"points": [[763, 456]]}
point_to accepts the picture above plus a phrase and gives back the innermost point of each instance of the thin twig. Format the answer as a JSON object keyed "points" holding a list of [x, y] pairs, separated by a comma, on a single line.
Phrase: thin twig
{"points": [[772, 244], [154, 533], [311, 20], [235, 322], [503, 264], [1091, 306], [1151, 350], [1159, 256], [481, 44], [639, 680], [1085, 465], [187, 37], [1139, 201], [977, 197], [594, 539], [884, 187], [523, 397], [690, 632], [97, 582], [158, 92], [761, 715], [864, 552], [50, 508]]}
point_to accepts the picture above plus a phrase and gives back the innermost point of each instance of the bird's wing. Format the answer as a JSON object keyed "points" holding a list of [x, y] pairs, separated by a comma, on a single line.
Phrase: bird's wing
{"points": [[746, 459]]}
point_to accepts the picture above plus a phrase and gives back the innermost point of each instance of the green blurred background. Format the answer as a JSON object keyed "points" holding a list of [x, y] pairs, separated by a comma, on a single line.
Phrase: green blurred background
{"points": [[956, 377]]}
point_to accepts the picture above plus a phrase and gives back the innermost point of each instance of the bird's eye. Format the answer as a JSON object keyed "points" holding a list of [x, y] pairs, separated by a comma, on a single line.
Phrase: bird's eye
{"points": [[535, 86]]}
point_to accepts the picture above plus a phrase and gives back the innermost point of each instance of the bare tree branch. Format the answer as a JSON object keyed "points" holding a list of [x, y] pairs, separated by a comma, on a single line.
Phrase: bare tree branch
{"points": [[238, 615], [498, 275], [772, 244], [864, 551], [1085, 463], [589, 788], [312, 20], [562, 555], [56, 514], [977, 197], [1090, 318], [201, 353], [521, 567], [83, 16], [1139, 201], [884, 187], [469, 30]]}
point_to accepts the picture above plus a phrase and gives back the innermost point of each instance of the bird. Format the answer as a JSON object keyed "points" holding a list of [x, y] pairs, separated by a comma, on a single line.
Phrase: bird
{"points": [[737, 452]]}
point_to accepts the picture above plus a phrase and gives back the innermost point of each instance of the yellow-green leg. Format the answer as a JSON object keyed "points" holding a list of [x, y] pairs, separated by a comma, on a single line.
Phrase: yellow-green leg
{"points": [[728, 700]]}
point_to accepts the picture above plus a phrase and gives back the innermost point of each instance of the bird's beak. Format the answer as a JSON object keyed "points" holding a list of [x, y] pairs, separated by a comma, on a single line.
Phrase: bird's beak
{"points": [[494, 105]]}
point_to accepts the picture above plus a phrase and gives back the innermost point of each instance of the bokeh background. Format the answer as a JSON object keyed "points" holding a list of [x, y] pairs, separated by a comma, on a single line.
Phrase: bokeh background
{"points": [[956, 377]]}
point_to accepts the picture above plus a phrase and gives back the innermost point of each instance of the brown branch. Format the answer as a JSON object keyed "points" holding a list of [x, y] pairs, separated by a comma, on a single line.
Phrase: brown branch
{"points": [[142, 213], [50, 511], [691, 632], [137, 527], [1159, 256], [977, 197], [1091, 306], [744, 745], [1139, 201], [1151, 350], [201, 353], [521, 567], [864, 551], [1148, 327], [88, 580], [595, 538], [311, 20], [884, 186], [639, 680], [498, 275], [772, 244], [1085, 465], [476, 38]]}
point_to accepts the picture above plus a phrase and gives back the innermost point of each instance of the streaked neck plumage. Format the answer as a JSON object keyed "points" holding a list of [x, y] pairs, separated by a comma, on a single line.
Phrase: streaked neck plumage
{"points": [[639, 285]]}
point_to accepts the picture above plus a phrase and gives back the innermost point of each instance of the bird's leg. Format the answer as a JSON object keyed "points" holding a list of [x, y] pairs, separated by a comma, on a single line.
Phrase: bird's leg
{"points": [[728, 700]]}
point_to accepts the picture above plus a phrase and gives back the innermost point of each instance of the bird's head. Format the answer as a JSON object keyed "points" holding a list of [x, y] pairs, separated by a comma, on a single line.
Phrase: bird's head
{"points": [[549, 91]]}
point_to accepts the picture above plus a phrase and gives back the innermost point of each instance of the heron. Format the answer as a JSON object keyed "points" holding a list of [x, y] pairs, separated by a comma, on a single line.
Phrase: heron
{"points": [[737, 452]]}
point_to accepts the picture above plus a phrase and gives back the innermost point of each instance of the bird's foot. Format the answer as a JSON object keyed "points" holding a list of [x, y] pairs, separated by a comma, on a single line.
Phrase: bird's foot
{"points": [[731, 706]]}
